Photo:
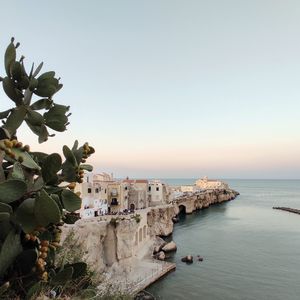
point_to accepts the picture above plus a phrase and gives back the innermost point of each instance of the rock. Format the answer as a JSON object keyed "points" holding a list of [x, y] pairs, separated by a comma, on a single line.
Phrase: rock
{"points": [[160, 221], [169, 247], [143, 295], [161, 255], [187, 259], [158, 244], [175, 219], [156, 249]]}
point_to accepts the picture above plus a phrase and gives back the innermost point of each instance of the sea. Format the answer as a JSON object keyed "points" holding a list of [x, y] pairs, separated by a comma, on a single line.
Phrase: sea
{"points": [[250, 251]]}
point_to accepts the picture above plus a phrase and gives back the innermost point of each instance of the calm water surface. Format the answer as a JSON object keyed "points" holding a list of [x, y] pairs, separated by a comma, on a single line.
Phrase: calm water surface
{"points": [[250, 250]]}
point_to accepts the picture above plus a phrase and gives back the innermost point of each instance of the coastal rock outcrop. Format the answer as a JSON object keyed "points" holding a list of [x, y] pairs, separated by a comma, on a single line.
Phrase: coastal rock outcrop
{"points": [[204, 199], [169, 247], [99, 243], [199, 258], [159, 220], [161, 255], [158, 244], [187, 259]]}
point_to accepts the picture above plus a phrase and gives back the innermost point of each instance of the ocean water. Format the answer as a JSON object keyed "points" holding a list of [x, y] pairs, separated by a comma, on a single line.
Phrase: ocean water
{"points": [[250, 251]]}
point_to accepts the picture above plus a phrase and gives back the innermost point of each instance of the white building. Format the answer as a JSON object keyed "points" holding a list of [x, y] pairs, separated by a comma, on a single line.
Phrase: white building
{"points": [[94, 194], [159, 193]]}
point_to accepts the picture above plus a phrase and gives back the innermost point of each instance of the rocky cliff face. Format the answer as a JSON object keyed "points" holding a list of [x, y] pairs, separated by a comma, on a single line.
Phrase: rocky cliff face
{"points": [[213, 197], [159, 220], [99, 243], [111, 249], [205, 199]]}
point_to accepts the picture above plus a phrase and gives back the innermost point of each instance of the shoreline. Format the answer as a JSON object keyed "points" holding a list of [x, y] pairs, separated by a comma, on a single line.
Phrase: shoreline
{"points": [[122, 251], [178, 203]]}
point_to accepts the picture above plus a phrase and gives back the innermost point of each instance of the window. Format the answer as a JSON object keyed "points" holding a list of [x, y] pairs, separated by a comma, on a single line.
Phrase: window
{"points": [[97, 190], [89, 190], [157, 188], [149, 188], [105, 191], [126, 188]]}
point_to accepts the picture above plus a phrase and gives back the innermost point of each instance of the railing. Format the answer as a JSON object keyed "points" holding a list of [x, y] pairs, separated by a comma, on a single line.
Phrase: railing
{"points": [[162, 268]]}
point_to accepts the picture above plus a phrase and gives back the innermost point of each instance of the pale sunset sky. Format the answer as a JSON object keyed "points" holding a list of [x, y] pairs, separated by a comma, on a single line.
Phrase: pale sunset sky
{"points": [[169, 88]]}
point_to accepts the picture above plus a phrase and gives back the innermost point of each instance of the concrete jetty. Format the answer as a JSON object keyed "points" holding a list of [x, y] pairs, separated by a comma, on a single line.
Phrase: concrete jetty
{"points": [[292, 210]]}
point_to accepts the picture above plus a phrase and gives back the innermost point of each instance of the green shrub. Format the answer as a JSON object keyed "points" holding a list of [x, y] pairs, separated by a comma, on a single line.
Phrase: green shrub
{"points": [[137, 218]]}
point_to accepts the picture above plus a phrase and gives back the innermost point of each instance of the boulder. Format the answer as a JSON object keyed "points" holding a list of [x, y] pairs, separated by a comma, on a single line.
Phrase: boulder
{"points": [[187, 259], [169, 247], [158, 244], [156, 249], [143, 295], [161, 255], [175, 219]]}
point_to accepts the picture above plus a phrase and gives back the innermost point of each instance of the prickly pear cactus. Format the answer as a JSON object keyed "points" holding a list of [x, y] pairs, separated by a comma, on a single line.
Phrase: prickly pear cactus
{"points": [[36, 189]]}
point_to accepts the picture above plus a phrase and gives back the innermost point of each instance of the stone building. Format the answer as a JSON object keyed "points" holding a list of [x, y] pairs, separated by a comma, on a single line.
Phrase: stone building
{"points": [[102, 194], [118, 196], [138, 197], [159, 193], [207, 184]]}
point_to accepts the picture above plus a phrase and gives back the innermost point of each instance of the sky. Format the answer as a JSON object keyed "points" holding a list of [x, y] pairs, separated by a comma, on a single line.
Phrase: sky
{"points": [[169, 88]]}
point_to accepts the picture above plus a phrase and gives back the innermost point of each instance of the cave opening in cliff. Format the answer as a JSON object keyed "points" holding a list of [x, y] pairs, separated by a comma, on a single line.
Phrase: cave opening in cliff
{"points": [[182, 212]]}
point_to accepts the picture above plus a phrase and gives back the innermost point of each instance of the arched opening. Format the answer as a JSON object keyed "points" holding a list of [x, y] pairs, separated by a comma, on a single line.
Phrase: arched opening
{"points": [[144, 231], [132, 207], [182, 211], [140, 235]]}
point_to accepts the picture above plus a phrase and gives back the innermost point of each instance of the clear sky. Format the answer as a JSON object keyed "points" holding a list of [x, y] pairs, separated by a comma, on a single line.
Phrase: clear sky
{"points": [[168, 88]]}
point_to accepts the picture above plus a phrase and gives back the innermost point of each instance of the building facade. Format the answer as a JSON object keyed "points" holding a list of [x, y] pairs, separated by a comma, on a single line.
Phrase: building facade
{"points": [[102, 194], [208, 184], [138, 197], [94, 194]]}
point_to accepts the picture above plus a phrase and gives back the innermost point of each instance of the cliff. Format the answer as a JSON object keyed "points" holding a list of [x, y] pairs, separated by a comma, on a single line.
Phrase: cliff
{"points": [[159, 220], [99, 243], [118, 248]]}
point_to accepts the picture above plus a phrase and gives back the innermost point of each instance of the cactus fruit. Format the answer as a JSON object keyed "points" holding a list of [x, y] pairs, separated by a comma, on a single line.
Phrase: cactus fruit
{"points": [[45, 243], [72, 185]]}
